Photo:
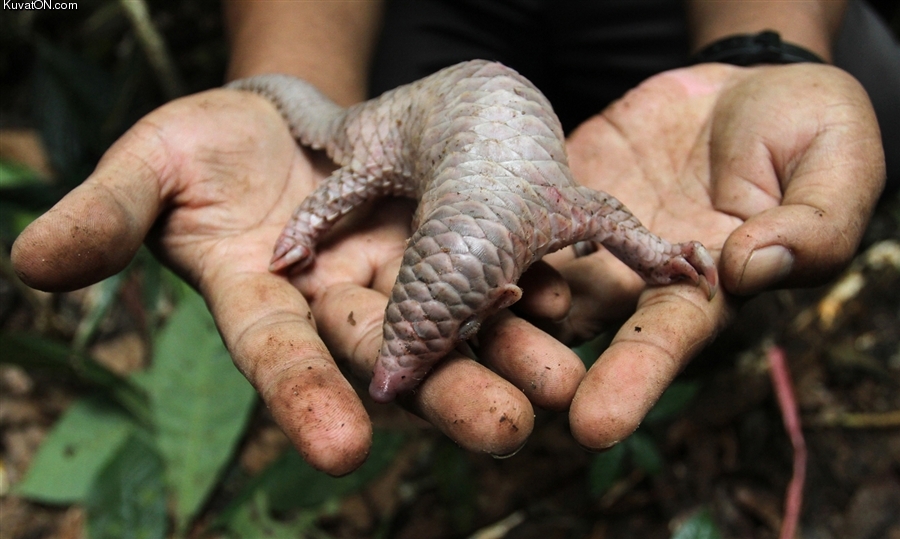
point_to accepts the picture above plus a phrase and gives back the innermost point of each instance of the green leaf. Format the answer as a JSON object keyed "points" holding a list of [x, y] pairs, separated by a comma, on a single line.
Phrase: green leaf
{"points": [[21, 219], [13, 218], [699, 526], [78, 447], [158, 287], [108, 290], [644, 453], [456, 484], [16, 175], [128, 498], [56, 116], [28, 199], [73, 98], [290, 483], [589, 352], [673, 401], [253, 520], [35, 351], [200, 404], [604, 469]]}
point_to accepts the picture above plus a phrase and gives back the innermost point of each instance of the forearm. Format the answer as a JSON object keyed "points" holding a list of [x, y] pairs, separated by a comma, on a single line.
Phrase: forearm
{"points": [[811, 24], [328, 44]]}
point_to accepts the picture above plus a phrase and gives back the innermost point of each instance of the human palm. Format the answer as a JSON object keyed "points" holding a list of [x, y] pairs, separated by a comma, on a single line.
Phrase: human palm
{"points": [[209, 181], [774, 169]]}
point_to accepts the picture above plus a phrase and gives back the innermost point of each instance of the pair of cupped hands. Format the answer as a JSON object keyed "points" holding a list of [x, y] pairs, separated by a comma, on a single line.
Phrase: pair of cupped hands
{"points": [[775, 169]]}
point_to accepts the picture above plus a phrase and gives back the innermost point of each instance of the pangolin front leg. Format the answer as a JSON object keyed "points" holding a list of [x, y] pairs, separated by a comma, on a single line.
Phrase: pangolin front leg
{"points": [[342, 191]]}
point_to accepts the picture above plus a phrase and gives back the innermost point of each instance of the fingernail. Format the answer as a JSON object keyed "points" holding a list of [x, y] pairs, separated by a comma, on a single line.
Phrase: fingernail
{"points": [[507, 455], [598, 450], [766, 266]]}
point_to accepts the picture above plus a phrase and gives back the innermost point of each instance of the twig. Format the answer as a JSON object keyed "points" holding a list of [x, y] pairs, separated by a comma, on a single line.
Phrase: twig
{"points": [[848, 420], [498, 530], [781, 381], [154, 47], [621, 488], [883, 255]]}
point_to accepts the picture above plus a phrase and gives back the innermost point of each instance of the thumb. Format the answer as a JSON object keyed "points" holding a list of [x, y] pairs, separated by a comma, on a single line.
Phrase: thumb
{"points": [[96, 229], [805, 178]]}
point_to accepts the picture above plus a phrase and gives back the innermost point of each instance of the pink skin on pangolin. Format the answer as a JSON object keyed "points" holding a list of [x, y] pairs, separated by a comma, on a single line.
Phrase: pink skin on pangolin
{"points": [[481, 149]]}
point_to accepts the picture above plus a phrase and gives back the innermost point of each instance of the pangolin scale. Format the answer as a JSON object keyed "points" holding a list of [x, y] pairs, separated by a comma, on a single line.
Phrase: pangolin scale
{"points": [[481, 149]]}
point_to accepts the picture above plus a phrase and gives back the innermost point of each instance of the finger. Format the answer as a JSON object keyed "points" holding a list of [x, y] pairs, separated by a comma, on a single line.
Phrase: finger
{"points": [[671, 325], [603, 289], [474, 407], [268, 328], [96, 229], [545, 293], [547, 371], [830, 168], [470, 404]]}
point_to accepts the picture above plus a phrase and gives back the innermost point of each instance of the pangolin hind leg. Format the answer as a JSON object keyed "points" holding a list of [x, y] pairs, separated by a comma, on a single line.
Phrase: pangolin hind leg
{"points": [[656, 260]]}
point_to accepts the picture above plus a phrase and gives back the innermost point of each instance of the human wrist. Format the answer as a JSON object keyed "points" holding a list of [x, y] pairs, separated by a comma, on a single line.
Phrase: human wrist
{"points": [[809, 25], [766, 47], [327, 44]]}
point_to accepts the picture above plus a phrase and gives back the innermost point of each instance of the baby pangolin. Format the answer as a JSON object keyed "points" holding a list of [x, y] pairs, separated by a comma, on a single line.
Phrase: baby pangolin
{"points": [[481, 149]]}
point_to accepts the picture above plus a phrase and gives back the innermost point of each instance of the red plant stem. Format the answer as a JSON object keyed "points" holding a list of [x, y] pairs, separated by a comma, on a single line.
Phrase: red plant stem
{"points": [[781, 381]]}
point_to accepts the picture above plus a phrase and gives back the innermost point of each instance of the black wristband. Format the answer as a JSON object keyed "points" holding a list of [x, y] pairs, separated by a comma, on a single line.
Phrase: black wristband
{"points": [[752, 49]]}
